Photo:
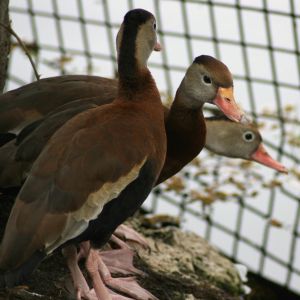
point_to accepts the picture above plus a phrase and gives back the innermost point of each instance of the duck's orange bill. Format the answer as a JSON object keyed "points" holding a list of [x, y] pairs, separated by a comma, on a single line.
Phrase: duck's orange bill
{"points": [[226, 103], [262, 156]]}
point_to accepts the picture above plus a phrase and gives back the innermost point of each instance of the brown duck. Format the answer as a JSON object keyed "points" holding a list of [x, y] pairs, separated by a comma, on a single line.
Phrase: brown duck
{"points": [[206, 80], [94, 172]]}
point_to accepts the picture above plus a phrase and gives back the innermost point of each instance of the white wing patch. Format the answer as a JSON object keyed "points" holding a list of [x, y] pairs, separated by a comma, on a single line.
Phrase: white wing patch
{"points": [[78, 221]]}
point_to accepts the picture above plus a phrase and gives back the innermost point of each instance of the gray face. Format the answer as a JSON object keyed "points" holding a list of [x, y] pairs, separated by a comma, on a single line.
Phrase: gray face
{"points": [[146, 41], [199, 86], [232, 139], [203, 79]]}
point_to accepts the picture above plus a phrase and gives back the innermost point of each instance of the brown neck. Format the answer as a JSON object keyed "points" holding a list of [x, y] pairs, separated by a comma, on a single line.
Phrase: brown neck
{"points": [[132, 86], [182, 118], [185, 128]]}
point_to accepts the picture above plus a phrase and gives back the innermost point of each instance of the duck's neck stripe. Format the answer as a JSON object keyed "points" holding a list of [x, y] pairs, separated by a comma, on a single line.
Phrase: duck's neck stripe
{"points": [[127, 65]]}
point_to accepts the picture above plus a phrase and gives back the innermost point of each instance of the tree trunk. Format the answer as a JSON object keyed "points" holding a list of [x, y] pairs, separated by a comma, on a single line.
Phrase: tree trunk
{"points": [[4, 42]]}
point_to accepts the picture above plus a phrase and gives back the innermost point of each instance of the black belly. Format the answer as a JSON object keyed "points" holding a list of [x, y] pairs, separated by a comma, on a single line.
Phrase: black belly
{"points": [[119, 209], [99, 230]]}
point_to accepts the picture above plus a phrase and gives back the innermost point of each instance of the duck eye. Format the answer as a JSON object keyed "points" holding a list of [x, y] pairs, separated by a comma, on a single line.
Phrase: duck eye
{"points": [[206, 79], [154, 26], [248, 136]]}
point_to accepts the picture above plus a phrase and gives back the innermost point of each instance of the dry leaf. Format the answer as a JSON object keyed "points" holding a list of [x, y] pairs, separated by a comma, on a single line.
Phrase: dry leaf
{"points": [[175, 183], [205, 199], [289, 108], [276, 223], [273, 183]]}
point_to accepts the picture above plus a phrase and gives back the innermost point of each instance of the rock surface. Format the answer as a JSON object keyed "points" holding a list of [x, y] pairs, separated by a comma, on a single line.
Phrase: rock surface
{"points": [[179, 266], [185, 261]]}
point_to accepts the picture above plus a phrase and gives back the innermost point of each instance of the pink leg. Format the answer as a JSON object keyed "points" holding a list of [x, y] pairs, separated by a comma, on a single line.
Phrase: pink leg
{"points": [[85, 246], [121, 244], [128, 234], [100, 292], [120, 261], [83, 250], [92, 268], [80, 284], [126, 285]]}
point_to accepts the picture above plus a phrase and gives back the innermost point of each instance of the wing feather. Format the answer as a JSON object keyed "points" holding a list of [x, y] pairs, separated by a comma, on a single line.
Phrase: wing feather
{"points": [[86, 164]]}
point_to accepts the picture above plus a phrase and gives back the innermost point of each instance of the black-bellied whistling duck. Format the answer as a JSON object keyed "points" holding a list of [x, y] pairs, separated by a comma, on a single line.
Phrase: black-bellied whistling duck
{"points": [[223, 137], [206, 80], [94, 172], [238, 140]]}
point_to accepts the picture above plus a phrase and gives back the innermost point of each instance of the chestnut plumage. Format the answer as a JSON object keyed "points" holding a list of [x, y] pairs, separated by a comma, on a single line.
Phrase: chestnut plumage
{"points": [[184, 122], [30, 102], [97, 169]]}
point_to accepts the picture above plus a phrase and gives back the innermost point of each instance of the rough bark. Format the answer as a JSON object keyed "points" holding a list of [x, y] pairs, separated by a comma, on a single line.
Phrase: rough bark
{"points": [[4, 42]]}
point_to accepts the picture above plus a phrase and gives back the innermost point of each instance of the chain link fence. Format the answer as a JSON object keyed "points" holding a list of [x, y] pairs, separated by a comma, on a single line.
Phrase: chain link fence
{"points": [[249, 212]]}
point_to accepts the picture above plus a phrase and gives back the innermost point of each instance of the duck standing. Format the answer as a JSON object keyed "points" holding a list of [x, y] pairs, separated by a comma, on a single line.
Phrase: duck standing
{"points": [[95, 171]]}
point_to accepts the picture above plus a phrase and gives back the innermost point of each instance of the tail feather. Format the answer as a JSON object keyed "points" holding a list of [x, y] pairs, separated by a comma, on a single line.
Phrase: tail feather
{"points": [[11, 278]]}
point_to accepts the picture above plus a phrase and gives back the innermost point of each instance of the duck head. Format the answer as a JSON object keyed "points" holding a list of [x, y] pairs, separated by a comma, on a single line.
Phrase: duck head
{"points": [[209, 80], [139, 27], [238, 140]]}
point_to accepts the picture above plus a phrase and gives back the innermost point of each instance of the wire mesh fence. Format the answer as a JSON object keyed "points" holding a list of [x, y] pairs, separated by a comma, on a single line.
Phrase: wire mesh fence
{"points": [[250, 213]]}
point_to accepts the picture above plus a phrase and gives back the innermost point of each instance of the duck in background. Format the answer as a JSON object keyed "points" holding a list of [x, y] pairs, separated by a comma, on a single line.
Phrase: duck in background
{"points": [[94, 172], [237, 140], [33, 101]]}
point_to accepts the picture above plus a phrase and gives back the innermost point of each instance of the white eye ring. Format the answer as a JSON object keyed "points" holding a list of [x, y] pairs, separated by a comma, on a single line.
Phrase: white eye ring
{"points": [[206, 80], [248, 136]]}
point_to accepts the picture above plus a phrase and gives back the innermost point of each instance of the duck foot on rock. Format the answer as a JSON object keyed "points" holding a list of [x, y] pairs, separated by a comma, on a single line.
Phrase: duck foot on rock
{"points": [[128, 234], [120, 261], [125, 285], [80, 285]]}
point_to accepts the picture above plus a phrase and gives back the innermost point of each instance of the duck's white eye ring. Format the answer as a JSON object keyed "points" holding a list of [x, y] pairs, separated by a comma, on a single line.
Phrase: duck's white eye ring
{"points": [[206, 80], [248, 136]]}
